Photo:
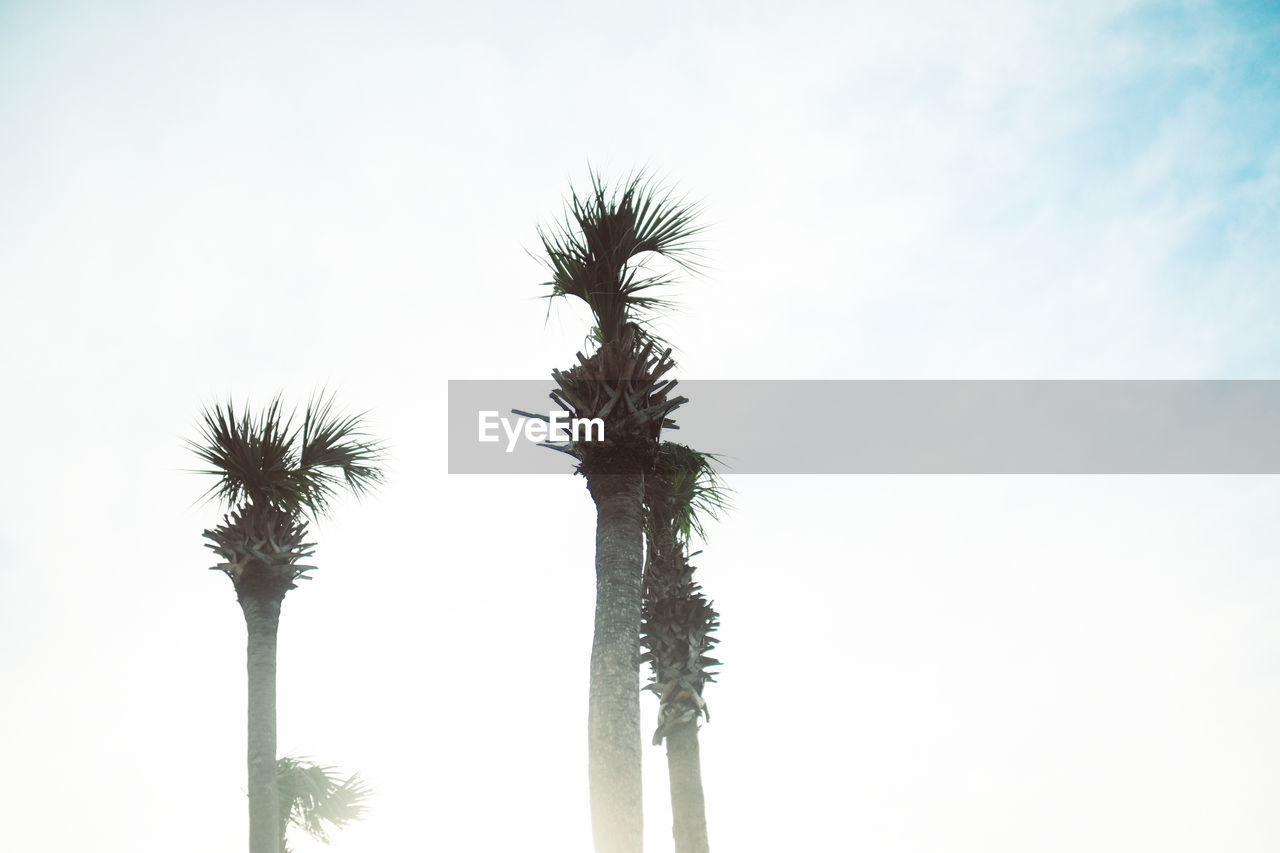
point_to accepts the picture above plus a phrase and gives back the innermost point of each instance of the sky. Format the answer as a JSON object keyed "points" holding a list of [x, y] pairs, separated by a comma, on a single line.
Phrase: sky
{"points": [[203, 202]]}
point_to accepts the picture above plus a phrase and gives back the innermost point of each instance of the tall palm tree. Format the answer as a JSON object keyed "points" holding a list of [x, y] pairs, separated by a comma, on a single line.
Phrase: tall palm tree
{"points": [[598, 254], [678, 626], [274, 478], [312, 796]]}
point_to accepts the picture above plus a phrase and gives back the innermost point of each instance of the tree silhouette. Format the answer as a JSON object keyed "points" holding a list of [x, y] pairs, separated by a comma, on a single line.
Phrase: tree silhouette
{"points": [[274, 479]]}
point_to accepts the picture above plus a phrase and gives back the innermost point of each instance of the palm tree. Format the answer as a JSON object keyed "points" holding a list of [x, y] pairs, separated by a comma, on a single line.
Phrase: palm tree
{"points": [[598, 254], [678, 625], [274, 478], [312, 796]]}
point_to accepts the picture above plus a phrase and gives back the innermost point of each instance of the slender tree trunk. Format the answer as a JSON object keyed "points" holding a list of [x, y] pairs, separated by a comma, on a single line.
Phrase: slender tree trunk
{"points": [[613, 720], [684, 769], [262, 619]]}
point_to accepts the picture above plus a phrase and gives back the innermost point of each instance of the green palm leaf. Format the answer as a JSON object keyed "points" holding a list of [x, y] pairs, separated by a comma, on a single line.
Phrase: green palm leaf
{"points": [[317, 799], [683, 490], [595, 254], [264, 459]]}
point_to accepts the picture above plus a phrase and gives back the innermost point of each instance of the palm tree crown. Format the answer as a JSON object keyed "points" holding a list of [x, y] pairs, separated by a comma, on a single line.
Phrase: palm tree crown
{"points": [[273, 476], [594, 254], [683, 489], [265, 460], [598, 254]]}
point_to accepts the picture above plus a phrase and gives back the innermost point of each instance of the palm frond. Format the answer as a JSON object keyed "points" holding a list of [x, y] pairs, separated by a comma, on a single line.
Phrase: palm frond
{"points": [[684, 490], [595, 253], [265, 460], [333, 443], [316, 798], [252, 457]]}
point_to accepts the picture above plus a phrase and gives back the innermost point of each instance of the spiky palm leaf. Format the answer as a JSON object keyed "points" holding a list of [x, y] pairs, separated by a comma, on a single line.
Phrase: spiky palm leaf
{"points": [[265, 460], [251, 456], [316, 798], [683, 490], [595, 253], [330, 443]]}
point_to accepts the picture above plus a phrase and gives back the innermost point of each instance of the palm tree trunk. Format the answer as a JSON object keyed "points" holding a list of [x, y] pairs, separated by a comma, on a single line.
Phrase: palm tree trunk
{"points": [[684, 769], [613, 720], [262, 619]]}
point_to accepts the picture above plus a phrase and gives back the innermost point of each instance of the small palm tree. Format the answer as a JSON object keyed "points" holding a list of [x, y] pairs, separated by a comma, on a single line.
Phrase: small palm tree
{"points": [[313, 798], [678, 626], [599, 254], [274, 478]]}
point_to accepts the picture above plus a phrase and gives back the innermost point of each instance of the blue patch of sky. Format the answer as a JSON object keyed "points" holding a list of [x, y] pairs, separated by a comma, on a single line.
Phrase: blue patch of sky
{"points": [[1222, 55], [1202, 92]]}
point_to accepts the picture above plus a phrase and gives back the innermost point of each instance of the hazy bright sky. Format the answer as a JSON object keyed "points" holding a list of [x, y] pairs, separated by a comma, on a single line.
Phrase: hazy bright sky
{"points": [[202, 200]]}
